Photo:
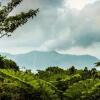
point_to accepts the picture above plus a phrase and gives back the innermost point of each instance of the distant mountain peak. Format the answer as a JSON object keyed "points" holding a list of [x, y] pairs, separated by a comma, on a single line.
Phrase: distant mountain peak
{"points": [[41, 59]]}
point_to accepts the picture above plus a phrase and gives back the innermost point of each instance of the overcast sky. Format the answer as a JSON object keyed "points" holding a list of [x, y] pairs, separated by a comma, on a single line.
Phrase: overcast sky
{"points": [[65, 26]]}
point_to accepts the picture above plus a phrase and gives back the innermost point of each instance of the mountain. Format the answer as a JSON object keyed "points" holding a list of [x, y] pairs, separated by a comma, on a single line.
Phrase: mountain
{"points": [[40, 60]]}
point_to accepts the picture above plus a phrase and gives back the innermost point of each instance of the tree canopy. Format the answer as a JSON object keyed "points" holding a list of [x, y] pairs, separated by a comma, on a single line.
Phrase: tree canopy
{"points": [[97, 64], [8, 24], [7, 64]]}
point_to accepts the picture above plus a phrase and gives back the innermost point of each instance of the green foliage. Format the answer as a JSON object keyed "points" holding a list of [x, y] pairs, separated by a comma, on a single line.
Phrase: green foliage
{"points": [[29, 86], [97, 64], [54, 83], [81, 90], [7, 64], [9, 24], [73, 84], [72, 70], [52, 74]]}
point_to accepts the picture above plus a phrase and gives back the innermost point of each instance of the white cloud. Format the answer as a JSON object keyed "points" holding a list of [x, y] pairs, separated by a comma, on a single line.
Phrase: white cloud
{"points": [[77, 4], [84, 51], [57, 28]]}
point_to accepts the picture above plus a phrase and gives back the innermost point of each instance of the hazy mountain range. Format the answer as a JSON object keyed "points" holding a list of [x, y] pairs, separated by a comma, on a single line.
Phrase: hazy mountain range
{"points": [[39, 60]]}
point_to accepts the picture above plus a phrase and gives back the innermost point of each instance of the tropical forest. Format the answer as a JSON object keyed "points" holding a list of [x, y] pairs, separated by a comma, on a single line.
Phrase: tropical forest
{"points": [[49, 50]]}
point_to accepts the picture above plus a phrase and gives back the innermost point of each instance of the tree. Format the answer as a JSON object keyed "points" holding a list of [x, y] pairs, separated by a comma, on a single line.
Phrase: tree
{"points": [[86, 73], [55, 70], [72, 70], [7, 64], [94, 73], [61, 87], [8, 24], [2, 61], [97, 64]]}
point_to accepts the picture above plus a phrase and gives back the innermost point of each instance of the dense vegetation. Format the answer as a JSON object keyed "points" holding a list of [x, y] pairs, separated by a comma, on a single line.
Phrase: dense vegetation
{"points": [[54, 83]]}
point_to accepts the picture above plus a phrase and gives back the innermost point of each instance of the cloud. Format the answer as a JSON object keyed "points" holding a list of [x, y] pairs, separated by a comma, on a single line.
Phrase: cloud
{"points": [[77, 4], [57, 27], [84, 29]]}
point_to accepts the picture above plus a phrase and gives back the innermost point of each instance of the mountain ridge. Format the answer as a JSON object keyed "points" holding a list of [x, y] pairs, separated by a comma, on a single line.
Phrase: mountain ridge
{"points": [[40, 59]]}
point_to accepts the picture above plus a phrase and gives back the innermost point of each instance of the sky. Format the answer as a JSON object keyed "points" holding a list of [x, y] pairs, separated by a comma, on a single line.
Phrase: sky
{"points": [[65, 26]]}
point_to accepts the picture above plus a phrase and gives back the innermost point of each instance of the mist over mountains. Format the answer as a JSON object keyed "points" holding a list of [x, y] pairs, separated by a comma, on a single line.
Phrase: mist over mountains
{"points": [[40, 60]]}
